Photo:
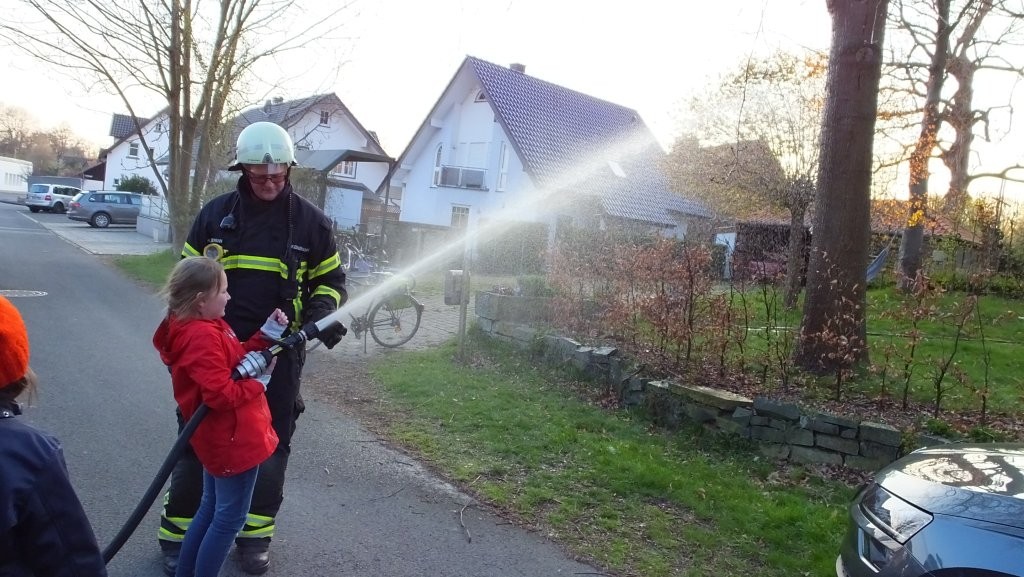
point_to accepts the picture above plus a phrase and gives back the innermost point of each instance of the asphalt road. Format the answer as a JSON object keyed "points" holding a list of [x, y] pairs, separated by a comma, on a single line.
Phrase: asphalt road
{"points": [[352, 506]]}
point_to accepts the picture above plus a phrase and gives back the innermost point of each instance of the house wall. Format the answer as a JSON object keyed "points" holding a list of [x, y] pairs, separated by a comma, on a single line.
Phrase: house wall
{"points": [[343, 206], [339, 134], [120, 165], [14, 175], [466, 128]]}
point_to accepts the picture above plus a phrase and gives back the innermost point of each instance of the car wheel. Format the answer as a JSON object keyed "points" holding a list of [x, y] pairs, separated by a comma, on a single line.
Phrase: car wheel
{"points": [[100, 220], [57, 208], [34, 208]]}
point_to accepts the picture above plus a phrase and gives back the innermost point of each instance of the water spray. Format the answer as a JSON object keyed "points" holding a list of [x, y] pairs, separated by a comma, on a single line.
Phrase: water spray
{"points": [[252, 365]]}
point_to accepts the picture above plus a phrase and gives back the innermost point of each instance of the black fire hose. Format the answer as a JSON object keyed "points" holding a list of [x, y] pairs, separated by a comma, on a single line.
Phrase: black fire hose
{"points": [[252, 365]]}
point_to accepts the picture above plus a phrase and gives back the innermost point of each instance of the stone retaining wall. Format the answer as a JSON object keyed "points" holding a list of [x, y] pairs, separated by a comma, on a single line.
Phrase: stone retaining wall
{"points": [[784, 430]]}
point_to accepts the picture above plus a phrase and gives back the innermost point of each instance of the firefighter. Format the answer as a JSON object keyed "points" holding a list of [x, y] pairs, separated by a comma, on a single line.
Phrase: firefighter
{"points": [[278, 251]]}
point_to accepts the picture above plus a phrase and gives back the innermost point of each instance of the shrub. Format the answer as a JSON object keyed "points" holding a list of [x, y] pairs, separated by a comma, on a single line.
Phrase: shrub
{"points": [[136, 183]]}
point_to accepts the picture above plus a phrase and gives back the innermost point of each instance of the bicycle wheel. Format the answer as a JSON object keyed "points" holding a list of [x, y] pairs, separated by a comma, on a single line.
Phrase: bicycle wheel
{"points": [[395, 319]]}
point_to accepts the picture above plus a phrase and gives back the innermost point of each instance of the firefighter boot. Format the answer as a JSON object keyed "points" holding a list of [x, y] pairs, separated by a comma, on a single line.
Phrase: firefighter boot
{"points": [[170, 559], [255, 560]]}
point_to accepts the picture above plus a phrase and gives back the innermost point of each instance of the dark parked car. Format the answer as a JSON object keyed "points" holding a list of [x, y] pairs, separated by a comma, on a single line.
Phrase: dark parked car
{"points": [[945, 511], [101, 208]]}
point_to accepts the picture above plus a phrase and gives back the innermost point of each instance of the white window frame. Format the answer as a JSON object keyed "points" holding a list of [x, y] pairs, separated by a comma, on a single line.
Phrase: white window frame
{"points": [[437, 165], [133, 149], [460, 216], [345, 169], [503, 158]]}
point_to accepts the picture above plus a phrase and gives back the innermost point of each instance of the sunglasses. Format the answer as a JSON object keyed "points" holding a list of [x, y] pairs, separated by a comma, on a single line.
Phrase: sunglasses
{"points": [[265, 178]]}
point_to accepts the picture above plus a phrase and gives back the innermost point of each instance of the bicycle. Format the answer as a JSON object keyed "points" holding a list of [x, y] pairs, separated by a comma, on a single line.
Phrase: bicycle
{"points": [[393, 317]]}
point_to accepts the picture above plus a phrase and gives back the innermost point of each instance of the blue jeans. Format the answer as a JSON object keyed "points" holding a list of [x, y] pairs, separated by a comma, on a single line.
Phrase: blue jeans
{"points": [[221, 515]]}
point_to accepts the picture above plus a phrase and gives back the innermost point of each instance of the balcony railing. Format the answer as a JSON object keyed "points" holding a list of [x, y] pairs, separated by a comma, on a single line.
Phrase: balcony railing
{"points": [[462, 177]]}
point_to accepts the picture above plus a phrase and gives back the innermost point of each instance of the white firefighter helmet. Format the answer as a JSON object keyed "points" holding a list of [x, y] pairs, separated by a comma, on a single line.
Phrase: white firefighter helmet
{"points": [[263, 143]]}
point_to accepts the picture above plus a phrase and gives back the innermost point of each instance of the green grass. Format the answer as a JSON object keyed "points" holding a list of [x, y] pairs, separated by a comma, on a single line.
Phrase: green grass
{"points": [[151, 269], [637, 500]]}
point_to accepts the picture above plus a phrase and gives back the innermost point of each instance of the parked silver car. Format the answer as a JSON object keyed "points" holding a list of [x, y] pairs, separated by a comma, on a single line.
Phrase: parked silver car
{"points": [[945, 511], [50, 197], [101, 208]]}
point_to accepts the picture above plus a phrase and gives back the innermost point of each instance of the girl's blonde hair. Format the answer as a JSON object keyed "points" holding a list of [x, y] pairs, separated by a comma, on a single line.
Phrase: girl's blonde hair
{"points": [[191, 277]]}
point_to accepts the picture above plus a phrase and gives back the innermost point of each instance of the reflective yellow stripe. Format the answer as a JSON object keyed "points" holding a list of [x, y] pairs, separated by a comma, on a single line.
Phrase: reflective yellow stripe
{"points": [[239, 261], [262, 526], [326, 266], [187, 250], [328, 291], [165, 535]]}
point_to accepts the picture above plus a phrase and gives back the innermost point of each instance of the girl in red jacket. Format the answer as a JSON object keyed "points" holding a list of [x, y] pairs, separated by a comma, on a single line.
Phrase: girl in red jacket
{"points": [[236, 436]]}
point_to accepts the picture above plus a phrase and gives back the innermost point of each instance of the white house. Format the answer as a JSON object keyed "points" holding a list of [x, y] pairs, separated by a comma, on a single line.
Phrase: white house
{"points": [[502, 145], [14, 175], [319, 123]]}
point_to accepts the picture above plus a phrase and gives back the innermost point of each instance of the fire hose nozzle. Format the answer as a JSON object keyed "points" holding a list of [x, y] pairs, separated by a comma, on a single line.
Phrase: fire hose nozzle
{"points": [[253, 364]]}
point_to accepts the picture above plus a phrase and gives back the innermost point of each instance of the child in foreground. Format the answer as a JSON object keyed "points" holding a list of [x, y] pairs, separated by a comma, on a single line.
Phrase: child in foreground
{"points": [[43, 528], [236, 434]]}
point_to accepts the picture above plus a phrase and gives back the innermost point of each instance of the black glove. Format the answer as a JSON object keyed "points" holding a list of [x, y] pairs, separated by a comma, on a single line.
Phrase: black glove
{"points": [[331, 334]]}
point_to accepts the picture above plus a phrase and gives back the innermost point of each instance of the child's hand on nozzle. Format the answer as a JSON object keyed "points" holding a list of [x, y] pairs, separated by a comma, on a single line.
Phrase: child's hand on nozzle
{"points": [[276, 323], [264, 378]]}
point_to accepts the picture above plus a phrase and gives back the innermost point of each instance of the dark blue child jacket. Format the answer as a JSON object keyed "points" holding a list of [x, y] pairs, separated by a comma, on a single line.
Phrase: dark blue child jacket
{"points": [[43, 529]]}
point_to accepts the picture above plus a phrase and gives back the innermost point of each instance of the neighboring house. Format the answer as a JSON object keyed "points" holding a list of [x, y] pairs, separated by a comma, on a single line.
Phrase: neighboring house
{"points": [[502, 145], [127, 155], [329, 138], [14, 175], [355, 162]]}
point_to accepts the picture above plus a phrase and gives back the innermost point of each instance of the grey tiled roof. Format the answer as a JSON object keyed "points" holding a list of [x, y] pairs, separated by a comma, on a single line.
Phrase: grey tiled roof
{"points": [[566, 139], [122, 125]]}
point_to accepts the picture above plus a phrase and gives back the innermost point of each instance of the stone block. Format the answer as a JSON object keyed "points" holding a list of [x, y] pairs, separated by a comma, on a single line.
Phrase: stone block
{"points": [[767, 434], [731, 426], [814, 456], [699, 414], [881, 433], [779, 424], [742, 416], [769, 408], [524, 334], [926, 440], [605, 352], [878, 451], [713, 397], [848, 446], [562, 347], [800, 437], [847, 433], [759, 421], [819, 426], [835, 420]]}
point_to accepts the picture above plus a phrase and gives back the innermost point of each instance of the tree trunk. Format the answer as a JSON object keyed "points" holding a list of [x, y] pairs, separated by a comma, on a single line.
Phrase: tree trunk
{"points": [[795, 258], [841, 233], [913, 233]]}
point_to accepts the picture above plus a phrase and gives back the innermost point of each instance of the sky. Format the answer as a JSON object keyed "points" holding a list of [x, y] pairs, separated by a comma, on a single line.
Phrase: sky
{"points": [[648, 55], [398, 55]]}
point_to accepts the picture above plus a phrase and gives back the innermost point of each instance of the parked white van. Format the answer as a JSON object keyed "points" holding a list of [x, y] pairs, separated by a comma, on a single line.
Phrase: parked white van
{"points": [[50, 197]]}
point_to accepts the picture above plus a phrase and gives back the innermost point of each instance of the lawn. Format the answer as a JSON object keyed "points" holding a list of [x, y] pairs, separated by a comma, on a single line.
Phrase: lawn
{"points": [[606, 483]]}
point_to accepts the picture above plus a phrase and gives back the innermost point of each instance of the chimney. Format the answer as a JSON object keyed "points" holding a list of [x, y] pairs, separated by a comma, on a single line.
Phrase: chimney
{"points": [[517, 67], [267, 107]]}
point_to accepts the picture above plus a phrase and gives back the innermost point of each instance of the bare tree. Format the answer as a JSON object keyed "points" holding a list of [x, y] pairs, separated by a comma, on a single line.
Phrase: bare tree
{"points": [[764, 121], [828, 340], [191, 54], [16, 128], [938, 47]]}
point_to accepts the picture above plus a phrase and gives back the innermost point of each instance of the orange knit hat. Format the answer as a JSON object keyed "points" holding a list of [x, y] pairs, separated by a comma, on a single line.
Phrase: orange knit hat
{"points": [[13, 344]]}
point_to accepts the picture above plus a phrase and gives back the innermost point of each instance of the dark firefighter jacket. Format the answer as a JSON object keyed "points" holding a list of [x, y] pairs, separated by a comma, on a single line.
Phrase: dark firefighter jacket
{"points": [[43, 529], [278, 254]]}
